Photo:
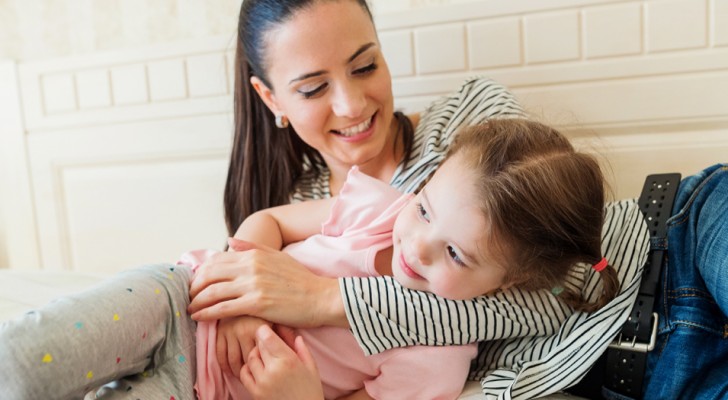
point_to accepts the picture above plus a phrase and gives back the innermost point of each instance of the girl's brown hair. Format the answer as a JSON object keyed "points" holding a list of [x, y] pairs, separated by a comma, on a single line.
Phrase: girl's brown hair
{"points": [[544, 201], [266, 161]]}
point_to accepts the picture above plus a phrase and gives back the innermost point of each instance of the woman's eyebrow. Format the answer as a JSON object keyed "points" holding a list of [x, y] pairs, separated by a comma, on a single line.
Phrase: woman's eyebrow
{"points": [[306, 76], [356, 54], [360, 50]]}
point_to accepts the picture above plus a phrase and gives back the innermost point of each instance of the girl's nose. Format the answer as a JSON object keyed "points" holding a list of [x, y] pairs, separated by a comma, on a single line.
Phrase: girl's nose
{"points": [[422, 251], [349, 101]]}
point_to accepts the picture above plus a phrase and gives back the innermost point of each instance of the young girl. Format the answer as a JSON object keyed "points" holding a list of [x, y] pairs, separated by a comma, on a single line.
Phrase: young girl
{"points": [[512, 206]]}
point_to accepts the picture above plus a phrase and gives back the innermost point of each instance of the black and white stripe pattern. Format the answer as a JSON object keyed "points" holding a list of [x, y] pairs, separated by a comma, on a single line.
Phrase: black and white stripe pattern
{"points": [[531, 344]]}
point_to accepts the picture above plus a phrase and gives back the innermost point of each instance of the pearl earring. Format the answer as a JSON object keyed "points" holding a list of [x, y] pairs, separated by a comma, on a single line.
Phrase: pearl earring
{"points": [[281, 121]]}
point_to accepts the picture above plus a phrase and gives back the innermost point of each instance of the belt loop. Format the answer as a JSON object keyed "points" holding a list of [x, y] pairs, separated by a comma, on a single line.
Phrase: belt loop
{"points": [[658, 243]]}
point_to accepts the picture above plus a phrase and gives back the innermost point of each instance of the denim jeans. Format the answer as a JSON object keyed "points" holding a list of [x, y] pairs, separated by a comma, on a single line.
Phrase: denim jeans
{"points": [[691, 356]]}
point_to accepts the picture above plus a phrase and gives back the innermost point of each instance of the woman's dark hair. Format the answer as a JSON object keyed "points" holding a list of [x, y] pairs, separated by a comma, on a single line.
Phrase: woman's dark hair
{"points": [[266, 161], [544, 202]]}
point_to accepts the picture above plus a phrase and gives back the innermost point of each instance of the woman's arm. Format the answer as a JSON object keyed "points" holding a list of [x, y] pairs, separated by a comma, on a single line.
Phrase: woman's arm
{"points": [[256, 282]]}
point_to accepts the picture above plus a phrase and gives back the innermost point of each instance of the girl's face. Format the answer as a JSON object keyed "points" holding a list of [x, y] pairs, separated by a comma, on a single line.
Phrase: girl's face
{"points": [[439, 238], [329, 77]]}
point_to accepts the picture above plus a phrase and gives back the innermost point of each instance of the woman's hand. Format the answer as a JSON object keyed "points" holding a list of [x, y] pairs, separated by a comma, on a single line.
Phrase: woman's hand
{"points": [[268, 284], [281, 368], [235, 340]]}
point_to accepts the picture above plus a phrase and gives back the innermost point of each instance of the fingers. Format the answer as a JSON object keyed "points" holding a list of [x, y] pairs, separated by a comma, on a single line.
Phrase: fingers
{"points": [[240, 245], [216, 293], [270, 345], [234, 356], [226, 309], [220, 267], [255, 363], [287, 334], [221, 351], [236, 244], [304, 354], [247, 378], [253, 373]]}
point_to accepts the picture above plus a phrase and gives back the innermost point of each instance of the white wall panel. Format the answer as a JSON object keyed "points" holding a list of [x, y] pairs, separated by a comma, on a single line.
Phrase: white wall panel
{"points": [[207, 75], [398, 51], [113, 210], [93, 88], [440, 49], [129, 84], [552, 37], [676, 24], [19, 247], [657, 100], [495, 43], [155, 175], [628, 159], [59, 93], [167, 80], [614, 30], [719, 21]]}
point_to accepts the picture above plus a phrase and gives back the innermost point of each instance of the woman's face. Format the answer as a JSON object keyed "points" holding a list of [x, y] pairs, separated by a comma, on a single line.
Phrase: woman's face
{"points": [[329, 77]]}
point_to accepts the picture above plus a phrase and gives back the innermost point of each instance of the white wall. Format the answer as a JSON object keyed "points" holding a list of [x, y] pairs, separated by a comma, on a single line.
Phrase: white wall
{"points": [[40, 29]]}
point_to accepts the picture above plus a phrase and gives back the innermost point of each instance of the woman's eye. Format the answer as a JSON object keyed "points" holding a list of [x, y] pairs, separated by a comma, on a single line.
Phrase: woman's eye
{"points": [[454, 255], [422, 212], [364, 70], [307, 94]]}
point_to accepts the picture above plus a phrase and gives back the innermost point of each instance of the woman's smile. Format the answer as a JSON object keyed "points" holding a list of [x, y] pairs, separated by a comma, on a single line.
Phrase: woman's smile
{"points": [[358, 132]]}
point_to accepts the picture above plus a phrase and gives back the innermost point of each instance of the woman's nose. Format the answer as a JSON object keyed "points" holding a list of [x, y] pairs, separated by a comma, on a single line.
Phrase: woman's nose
{"points": [[349, 101]]}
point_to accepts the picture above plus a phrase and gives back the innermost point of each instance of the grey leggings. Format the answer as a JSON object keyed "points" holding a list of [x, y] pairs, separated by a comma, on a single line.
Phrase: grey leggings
{"points": [[127, 337]]}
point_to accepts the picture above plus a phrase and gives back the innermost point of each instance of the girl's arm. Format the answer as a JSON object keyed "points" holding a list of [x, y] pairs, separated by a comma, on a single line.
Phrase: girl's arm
{"points": [[279, 226]]}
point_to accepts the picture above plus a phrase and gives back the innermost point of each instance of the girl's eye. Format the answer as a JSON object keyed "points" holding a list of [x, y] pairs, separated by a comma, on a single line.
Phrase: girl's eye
{"points": [[364, 70], [307, 94], [455, 257], [422, 212]]}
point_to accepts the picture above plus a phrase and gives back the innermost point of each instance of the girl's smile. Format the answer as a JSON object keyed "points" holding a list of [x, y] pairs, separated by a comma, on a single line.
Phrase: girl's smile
{"points": [[407, 269]]}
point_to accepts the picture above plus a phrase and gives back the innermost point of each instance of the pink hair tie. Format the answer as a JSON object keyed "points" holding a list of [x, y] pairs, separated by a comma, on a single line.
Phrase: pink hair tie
{"points": [[600, 265]]}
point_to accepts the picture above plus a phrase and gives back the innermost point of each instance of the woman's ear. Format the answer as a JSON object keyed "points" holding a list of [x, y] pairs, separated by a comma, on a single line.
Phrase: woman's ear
{"points": [[266, 95]]}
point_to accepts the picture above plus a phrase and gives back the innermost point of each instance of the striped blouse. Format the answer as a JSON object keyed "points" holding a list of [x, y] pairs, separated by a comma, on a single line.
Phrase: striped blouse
{"points": [[531, 344]]}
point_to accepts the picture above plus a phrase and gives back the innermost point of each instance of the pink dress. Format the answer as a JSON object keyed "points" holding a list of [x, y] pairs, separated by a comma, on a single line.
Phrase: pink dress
{"points": [[360, 225]]}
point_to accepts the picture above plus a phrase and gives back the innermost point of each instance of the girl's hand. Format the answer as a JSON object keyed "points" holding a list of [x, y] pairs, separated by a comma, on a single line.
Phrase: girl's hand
{"points": [[235, 340], [281, 368], [268, 284]]}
